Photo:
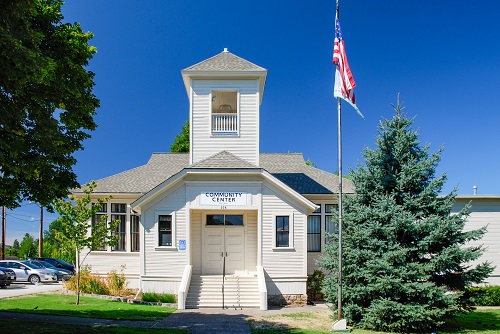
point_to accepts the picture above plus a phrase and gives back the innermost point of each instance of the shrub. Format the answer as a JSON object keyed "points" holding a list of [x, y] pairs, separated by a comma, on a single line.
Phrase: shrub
{"points": [[314, 285], [89, 283], [117, 283], [486, 295], [157, 297]]}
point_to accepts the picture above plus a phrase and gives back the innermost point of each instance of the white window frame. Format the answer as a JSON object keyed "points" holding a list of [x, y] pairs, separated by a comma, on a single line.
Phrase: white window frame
{"points": [[157, 230], [322, 218], [291, 243]]}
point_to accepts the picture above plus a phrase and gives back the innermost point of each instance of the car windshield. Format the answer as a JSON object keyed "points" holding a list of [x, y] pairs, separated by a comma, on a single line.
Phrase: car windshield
{"points": [[47, 265], [31, 265], [64, 262]]}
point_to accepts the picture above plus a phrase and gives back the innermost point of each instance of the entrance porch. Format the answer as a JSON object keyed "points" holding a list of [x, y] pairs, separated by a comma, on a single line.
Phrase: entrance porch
{"points": [[224, 253]]}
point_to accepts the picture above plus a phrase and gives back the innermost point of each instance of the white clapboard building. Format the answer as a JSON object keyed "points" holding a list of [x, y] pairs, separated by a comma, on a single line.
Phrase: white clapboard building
{"points": [[226, 217], [223, 214]]}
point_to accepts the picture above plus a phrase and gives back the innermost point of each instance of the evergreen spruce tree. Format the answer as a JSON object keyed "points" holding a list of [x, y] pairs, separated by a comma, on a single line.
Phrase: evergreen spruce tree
{"points": [[405, 262]]}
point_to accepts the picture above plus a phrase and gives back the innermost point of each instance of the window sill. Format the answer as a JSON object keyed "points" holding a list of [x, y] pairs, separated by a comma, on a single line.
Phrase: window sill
{"points": [[225, 134], [165, 248], [283, 248]]}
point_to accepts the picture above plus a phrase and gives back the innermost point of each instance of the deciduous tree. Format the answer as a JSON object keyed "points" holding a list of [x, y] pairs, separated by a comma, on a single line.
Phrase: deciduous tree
{"points": [[46, 100], [406, 262], [77, 233]]}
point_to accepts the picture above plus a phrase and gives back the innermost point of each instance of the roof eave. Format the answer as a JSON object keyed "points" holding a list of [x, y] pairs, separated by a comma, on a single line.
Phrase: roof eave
{"points": [[175, 179], [187, 75]]}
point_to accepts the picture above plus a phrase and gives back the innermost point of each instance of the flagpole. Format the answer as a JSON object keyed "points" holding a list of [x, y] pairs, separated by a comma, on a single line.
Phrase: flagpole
{"points": [[339, 294], [340, 324]]}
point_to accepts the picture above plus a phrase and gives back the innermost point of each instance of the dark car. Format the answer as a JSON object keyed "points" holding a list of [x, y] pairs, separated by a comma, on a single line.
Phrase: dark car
{"points": [[58, 263], [7, 276], [62, 274]]}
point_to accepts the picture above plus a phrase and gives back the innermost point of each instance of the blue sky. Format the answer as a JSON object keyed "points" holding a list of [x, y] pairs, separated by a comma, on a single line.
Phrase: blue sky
{"points": [[442, 56]]}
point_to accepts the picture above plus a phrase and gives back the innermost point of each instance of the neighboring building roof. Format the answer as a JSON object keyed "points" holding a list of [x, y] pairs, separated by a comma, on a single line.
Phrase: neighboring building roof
{"points": [[472, 196], [289, 168], [224, 61]]}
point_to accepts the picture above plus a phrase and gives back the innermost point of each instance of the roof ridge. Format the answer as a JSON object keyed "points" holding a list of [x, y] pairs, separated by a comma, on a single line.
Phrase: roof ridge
{"points": [[224, 153]]}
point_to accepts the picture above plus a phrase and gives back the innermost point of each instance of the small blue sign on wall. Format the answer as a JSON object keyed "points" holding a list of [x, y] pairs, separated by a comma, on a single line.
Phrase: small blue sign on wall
{"points": [[182, 244]]}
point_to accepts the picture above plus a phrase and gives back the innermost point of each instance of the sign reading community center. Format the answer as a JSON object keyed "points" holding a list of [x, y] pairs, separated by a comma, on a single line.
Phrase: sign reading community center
{"points": [[223, 198]]}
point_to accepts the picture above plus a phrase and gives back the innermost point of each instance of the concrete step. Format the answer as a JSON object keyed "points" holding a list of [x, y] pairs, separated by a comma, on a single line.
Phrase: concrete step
{"points": [[239, 292]]}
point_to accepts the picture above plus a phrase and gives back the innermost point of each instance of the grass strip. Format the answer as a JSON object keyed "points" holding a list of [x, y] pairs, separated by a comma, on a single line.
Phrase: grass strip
{"points": [[59, 304]]}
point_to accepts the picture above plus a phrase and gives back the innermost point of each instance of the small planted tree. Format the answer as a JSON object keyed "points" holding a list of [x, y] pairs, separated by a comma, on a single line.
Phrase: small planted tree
{"points": [[76, 231], [406, 263]]}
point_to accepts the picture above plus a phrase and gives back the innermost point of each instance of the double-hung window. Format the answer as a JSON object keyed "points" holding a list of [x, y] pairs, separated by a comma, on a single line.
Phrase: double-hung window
{"points": [[314, 233], [165, 230], [282, 231], [119, 212], [135, 243], [97, 218], [331, 224]]}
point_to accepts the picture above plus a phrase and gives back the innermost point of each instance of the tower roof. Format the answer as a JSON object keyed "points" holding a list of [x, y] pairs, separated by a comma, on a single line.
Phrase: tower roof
{"points": [[225, 65], [224, 62]]}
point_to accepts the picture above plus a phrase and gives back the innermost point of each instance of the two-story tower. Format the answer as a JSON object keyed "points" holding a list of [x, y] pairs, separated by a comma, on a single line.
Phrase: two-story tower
{"points": [[225, 93]]}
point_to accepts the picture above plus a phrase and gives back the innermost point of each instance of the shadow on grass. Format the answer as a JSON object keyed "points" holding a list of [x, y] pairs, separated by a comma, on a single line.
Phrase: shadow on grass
{"points": [[125, 314], [42, 327], [479, 320]]}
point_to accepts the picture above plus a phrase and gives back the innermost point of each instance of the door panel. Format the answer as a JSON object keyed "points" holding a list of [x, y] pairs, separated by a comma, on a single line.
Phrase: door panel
{"points": [[212, 250], [227, 240], [235, 248]]}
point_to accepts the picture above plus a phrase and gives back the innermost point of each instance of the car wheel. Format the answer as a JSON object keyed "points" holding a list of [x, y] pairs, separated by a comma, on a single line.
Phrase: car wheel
{"points": [[34, 279]]}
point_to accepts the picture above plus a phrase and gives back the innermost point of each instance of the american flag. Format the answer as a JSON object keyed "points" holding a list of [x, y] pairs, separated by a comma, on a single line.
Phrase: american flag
{"points": [[344, 81]]}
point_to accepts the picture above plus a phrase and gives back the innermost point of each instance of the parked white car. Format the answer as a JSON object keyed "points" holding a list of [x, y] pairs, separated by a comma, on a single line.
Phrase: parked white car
{"points": [[26, 272]]}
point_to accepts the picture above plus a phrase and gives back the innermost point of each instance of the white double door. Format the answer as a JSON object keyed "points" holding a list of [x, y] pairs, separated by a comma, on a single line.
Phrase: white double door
{"points": [[223, 245]]}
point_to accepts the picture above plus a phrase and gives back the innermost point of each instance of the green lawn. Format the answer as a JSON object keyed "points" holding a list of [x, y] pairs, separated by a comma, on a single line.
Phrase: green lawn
{"points": [[58, 304]]}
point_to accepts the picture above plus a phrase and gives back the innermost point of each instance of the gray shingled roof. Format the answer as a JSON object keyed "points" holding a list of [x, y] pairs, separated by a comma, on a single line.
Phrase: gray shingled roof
{"points": [[160, 167], [288, 168], [224, 61], [291, 169], [224, 159]]}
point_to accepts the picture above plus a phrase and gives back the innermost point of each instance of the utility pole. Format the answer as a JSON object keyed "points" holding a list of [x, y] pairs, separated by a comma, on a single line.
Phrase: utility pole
{"points": [[3, 232], [40, 237]]}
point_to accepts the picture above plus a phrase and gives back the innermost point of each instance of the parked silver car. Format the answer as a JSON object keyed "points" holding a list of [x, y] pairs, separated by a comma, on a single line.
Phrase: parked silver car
{"points": [[61, 274], [28, 272]]}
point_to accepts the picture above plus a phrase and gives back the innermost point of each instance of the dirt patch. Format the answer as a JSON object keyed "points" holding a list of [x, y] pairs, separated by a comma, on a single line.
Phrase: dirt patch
{"points": [[319, 320]]}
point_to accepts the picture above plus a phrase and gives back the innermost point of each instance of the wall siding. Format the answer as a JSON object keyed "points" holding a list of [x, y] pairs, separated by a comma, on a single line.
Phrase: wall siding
{"points": [[485, 212], [165, 262], [244, 145], [287, 262], [101, 263]]}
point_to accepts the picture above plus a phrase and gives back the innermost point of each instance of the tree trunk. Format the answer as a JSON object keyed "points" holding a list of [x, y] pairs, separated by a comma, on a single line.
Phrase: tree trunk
{"points": [[78, 277]]}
